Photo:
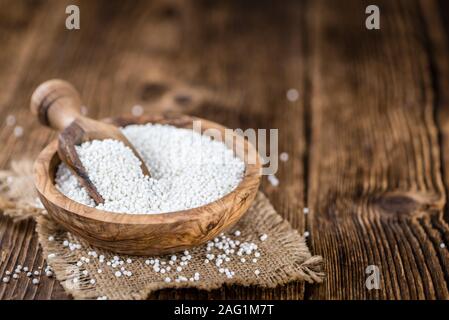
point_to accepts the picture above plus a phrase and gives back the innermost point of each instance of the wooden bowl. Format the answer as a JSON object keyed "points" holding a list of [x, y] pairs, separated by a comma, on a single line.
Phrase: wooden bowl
{"points": [[147, 234]]}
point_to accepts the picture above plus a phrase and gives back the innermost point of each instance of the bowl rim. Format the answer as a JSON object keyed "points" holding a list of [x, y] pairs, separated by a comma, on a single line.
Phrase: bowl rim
{"points": [[47, 189]]}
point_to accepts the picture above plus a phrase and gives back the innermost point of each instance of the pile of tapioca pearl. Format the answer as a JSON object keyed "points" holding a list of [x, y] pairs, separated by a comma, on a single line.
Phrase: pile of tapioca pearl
{"points": [[188, 170], [171, 268]]}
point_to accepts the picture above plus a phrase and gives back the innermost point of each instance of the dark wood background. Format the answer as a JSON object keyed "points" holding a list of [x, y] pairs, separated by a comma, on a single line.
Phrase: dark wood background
{"points": [[368, 138]]}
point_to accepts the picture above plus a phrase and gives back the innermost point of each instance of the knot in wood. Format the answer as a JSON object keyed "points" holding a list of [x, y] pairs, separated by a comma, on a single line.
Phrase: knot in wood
{"points": [[407, 203]]}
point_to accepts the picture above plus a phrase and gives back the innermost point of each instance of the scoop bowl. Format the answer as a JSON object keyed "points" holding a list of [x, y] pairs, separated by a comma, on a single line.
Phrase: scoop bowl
{"points": [[150, 234]]}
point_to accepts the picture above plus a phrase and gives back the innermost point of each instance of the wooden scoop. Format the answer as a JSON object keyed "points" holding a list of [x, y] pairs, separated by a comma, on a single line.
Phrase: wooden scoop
{"points": [[57, 105]]}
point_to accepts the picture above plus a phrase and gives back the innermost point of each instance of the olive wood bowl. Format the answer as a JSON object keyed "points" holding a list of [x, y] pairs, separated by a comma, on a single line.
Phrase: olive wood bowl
{"points": [[147, 234]]}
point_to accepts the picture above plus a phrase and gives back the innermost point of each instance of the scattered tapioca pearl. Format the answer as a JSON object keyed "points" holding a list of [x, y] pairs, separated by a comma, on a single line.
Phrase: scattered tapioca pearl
{"points": [[18, 131], [292, 95], [273, 180], [36, 273], [92, 281], [10, 120], [29, 274], [256, 272], [5, 279], [25, 269], [51, 238], [137, 110], [15, 276], [7, 273], [167, 279], [283, 156], [442, 245], [306, 234], [225, 245], [102, 298], [35, 281], [305, 210], [51, 256]]}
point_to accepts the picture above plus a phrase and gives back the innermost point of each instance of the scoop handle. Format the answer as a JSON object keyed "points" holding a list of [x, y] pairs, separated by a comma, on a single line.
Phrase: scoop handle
{"points": [[56, 103]]}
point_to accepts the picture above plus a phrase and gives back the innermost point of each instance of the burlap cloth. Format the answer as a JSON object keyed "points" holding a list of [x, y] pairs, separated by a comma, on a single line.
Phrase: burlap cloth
{"points": [[284, 256]]}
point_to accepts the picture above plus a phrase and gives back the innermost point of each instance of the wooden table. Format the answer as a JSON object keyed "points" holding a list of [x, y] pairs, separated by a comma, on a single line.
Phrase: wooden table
{"points": [[368, 138]]}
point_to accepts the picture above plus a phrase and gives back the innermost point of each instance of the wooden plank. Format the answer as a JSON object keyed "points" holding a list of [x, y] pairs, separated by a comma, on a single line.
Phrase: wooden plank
{"points": [[208, 59], [23, 25], [375, 187], [436, 20]]}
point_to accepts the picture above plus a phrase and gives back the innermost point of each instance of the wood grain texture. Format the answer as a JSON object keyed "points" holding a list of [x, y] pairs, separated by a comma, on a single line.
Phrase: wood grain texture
{"points": [[367, 138], [376, 189]]}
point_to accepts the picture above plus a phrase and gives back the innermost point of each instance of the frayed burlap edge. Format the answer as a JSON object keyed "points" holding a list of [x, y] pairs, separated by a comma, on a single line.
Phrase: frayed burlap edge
{"points": [[285, 256], [18, 198]]}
